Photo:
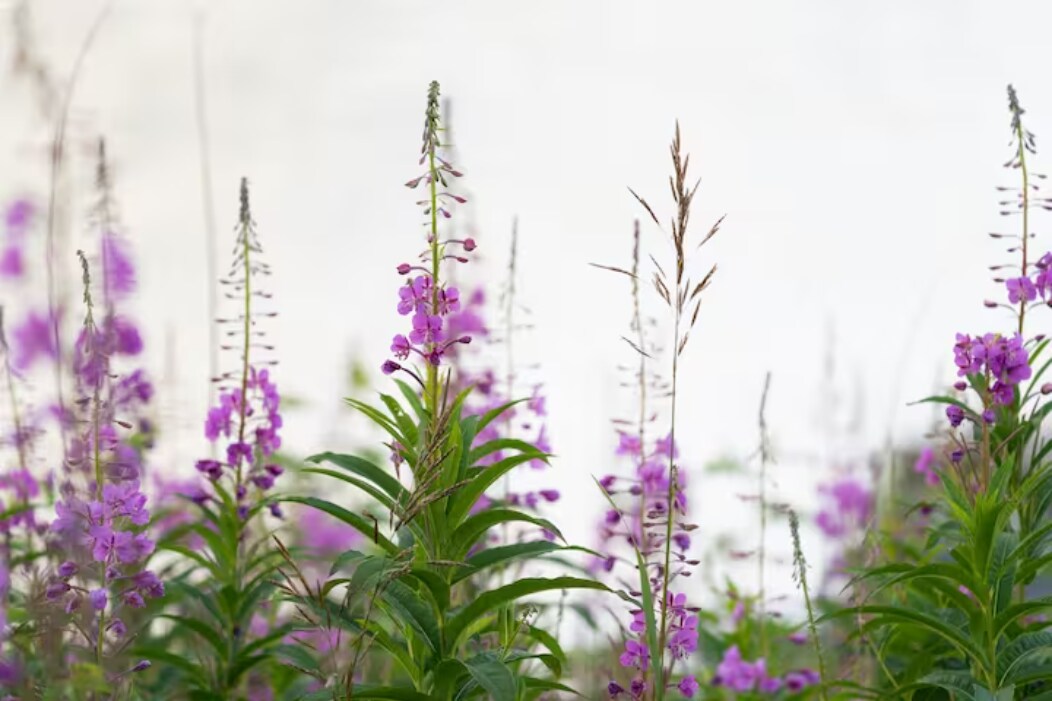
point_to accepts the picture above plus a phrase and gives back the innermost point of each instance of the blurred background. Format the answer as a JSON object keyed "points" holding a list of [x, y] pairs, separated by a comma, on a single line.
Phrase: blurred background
{"points": [[854, 149]]}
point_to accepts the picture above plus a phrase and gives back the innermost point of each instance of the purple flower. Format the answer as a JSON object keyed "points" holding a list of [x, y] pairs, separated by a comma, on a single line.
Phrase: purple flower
{"points": [[32, 339], [117, 268], [737, 674], [925, 466], [635, 655], [1021, 289], [1002, 359], [664, 446], [688, 686], [11, 264], [427, 328], [448, 301], [212, 469], [98, 598], [126, 338], [797, 681], [134, 599], [148, 583], [955, 414], [18, 215], [852, 504], [415, 296], [400, 346], [613, 688], [770, 685], [628, 445]]}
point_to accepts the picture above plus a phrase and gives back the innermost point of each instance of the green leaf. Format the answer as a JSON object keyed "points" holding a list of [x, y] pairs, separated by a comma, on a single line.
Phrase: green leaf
{"points": [[961, 684], [364, 468], [1017, 611], [387, 692], [414, 400], [493, 676], [1021, 649], [482, 478], [474, 526], [491, 415], [207, 633], [502, 554], [490, 601], [649, 617], [405, 424], [547, 640], [937, 626], [155, 654], [364, 526], [413, 611], [490, 447], [547, 685], [382, 421]]}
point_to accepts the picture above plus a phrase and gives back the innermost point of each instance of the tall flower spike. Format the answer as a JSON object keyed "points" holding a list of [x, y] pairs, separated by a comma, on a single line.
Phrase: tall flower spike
{"points": [[1029, 279], [248, 415], [98, 532], [425, 297]]}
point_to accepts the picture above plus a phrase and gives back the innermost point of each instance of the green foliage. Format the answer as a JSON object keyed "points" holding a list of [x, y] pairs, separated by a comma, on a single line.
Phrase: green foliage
{"points": [[222, 585], [430, 596]]}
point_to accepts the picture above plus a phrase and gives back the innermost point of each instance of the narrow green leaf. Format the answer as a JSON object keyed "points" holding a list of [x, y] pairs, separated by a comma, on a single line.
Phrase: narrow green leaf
{"points": [[491, 600]]}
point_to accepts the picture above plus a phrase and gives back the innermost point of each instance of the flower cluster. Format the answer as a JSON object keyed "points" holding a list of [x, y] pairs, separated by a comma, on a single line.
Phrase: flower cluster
{"points": [[1025, 288], [741, 676], [643, 525], [250, 419], [649, 490], [108, 530], [100, 532], [1001, 363], [849, 505], [925, 465], [428, 306], [18, 218]]}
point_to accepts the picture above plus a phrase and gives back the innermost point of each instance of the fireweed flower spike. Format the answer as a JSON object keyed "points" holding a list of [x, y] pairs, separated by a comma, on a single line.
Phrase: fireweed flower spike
{"points": [[248, 417], [98, 532], [424, 298]]}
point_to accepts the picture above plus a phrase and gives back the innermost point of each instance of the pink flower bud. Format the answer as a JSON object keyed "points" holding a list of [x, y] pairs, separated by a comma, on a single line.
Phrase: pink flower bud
{"points": [[469, 244], [404, 269], [1046, 388]]}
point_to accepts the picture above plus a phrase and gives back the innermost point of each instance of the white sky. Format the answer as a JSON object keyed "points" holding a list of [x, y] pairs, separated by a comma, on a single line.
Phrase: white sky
{"points": [[853, 146]]}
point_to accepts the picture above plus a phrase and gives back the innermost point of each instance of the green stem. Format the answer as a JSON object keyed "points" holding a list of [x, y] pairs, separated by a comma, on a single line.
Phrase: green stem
{"points": [[247, 329], [1026, 214], [432, 371]]}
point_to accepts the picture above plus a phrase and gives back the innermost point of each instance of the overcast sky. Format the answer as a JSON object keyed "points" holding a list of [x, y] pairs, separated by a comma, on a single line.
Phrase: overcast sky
{"points": [[854, 148]]}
